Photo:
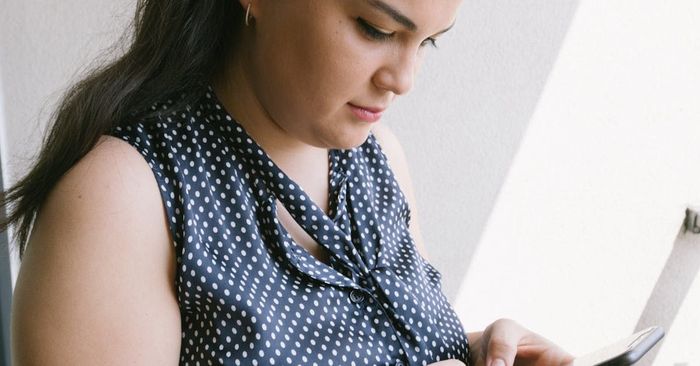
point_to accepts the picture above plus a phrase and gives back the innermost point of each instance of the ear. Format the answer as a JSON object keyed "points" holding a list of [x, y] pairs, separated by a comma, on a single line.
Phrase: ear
{"points": [[254, 6]]}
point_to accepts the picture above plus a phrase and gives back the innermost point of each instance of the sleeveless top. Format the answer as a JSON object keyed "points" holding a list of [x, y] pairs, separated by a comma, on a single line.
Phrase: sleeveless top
{"points": [[249, 294]]}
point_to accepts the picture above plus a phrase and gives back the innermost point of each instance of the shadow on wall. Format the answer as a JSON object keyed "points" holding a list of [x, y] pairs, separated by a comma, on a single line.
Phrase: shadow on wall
{"points": [[482, 91], [674, 283]]}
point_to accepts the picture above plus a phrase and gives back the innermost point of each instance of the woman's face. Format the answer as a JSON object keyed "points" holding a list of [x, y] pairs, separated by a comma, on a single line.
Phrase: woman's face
{"points": [[323, 70]]}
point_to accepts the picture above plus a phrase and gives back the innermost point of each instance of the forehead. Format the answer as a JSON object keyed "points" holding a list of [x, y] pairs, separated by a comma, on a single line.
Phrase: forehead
{"points": [[423, 14]]}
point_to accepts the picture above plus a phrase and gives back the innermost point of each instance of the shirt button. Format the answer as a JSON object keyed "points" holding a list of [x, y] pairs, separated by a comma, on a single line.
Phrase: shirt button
{"points": [[357, 296], [399, 363]]}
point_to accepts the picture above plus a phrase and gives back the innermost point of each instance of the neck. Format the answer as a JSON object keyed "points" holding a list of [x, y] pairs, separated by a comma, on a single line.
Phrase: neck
{"points": [[234, 88]]}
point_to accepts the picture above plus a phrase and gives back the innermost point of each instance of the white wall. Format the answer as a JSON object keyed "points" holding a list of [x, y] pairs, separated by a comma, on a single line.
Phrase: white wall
{"points": [[595, 198], [462, 124], [44, 45], [604, 91]]}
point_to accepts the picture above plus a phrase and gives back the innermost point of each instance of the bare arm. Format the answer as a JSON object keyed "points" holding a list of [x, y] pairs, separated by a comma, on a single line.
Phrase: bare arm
{"points": [[96, 282]]}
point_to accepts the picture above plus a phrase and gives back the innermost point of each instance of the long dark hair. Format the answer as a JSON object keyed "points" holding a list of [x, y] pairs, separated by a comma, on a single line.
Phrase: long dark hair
{"points": [[176, 47]]}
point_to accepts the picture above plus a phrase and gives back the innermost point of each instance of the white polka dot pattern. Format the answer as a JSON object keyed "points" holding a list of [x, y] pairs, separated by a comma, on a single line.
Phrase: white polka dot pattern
{"points": [[249, 294]]}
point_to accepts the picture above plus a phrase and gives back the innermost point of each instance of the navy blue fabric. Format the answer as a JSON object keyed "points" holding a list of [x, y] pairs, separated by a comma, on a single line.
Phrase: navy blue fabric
{"points": [[249, 294]]}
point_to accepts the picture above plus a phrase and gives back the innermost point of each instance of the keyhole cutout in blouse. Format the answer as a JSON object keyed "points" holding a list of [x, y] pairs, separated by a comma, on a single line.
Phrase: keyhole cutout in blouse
{"points": [[300, 236], [317, 189]]}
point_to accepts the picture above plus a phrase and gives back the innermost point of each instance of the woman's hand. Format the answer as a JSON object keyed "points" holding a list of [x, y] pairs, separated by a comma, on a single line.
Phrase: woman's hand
{"points": [[447, 363], [506, 343]]}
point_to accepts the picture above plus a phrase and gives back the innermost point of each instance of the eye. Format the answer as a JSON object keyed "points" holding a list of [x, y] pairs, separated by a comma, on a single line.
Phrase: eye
{"points": [[372, 32], [429, 41]]}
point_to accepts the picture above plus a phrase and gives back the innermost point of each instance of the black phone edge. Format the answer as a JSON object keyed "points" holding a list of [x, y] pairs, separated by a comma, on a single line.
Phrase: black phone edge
{"points": [[638, 352]]}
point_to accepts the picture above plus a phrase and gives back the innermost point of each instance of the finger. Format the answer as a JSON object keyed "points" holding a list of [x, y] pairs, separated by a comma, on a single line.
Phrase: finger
{"points": [[502, 344], [447, 363]]}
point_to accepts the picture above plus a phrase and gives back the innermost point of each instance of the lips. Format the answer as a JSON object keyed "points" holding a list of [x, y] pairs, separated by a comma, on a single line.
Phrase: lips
{"points": [[367, 114]]}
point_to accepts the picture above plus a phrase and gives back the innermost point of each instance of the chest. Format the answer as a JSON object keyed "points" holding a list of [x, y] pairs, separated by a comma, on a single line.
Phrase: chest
{"points": [[300, 236], [315, 184]]}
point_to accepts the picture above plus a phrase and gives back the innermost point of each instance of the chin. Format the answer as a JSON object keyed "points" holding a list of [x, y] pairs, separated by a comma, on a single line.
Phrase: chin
{"points": [[352, 141], [346, 138], [345, 144]]}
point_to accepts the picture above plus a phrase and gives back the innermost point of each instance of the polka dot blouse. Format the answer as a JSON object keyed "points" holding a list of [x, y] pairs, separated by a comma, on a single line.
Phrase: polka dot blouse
{"points": [[249, 294]]}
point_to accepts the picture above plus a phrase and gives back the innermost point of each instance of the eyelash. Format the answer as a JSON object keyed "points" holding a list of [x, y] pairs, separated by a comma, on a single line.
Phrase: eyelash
{"points": [[378, 35]]}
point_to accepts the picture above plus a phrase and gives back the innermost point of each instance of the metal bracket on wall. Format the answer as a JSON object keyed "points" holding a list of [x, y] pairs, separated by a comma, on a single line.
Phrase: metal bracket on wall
{"points": [[691, 220]]}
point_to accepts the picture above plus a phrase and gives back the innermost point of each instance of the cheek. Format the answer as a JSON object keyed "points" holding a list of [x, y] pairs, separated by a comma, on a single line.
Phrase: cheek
{"points": [[329, 65], [336, 67], [305, 81]]}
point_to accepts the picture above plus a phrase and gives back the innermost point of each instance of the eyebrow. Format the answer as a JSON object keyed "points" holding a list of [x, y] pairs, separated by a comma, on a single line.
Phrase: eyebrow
{"points": [[395, 14], [398, 17]]}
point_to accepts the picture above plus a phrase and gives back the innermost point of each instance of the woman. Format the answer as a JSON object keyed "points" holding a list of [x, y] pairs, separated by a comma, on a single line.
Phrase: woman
{"points": [[170, 222]]}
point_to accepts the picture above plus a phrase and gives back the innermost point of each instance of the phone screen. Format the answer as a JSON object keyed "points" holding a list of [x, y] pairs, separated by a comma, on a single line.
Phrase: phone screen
{"points": [[624, 352]]}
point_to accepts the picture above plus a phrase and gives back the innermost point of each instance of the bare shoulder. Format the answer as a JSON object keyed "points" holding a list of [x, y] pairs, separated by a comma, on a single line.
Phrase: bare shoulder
{"points": [[394, 152], [391, 146], [96, 281], [397, 159]]}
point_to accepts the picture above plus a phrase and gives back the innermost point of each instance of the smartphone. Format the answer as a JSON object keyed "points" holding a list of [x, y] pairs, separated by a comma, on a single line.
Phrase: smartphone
{"points": [[624, 352]]}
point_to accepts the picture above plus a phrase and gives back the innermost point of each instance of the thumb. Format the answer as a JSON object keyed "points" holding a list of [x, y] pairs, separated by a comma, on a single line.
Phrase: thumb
{"points": [[502, 343]]}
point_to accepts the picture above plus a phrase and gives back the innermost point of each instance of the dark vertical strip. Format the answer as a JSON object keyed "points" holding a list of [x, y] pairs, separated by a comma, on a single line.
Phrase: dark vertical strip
{"points": [[673, 284], [5, 291]]}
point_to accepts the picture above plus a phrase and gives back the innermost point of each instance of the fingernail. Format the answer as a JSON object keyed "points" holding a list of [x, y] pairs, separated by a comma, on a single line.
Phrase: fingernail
{"points": [[498, 362]]}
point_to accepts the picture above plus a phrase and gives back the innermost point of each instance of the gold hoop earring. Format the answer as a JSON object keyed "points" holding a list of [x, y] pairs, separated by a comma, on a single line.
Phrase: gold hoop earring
{"points": [[247, 14]]}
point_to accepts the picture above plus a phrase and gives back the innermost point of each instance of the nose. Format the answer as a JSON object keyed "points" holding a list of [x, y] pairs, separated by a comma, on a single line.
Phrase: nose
{"points": [[397, 73]]}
